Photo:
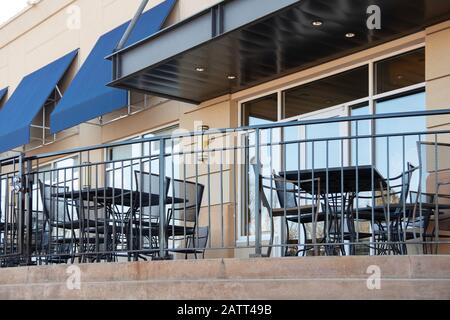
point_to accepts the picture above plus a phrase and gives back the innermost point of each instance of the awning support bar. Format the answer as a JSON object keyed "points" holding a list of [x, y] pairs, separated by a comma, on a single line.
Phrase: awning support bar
{"points": [[131, 26]]}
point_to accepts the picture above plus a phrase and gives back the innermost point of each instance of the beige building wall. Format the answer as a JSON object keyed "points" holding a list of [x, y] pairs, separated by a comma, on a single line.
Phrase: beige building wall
{"points": [[438, 97], [438, 72], [45, 32]]}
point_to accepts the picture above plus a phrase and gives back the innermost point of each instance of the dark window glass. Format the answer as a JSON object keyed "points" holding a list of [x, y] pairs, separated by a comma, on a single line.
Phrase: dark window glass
{"points": [[344, 87], [260, 111], [400, 71]]}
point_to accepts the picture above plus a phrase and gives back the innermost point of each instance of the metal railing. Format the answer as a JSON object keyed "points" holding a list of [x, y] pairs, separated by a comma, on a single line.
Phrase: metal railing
{"points": [[269, 190]]}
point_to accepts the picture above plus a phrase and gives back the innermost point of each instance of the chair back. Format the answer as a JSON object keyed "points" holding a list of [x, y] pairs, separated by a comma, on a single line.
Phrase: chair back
{"points": [[399, 187], [55, 208], [406, 182], [199, 240], [149, 183], [262, 194], [267, 205], [287, 192], [90, 210], [192, 195]]}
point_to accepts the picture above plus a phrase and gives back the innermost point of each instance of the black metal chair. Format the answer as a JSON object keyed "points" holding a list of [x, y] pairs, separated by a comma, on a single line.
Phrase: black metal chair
{"points": [[95, 238], [73, 228], [145, 216], [182, 222], [416, 225], [393, 207], [56, 229], [295, 205], [299, 209], [10, 255], [433, 207]]}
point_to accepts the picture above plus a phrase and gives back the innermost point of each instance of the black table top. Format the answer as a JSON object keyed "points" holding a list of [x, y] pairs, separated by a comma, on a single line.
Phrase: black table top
{"points": [[117, 196], [338, 180]]}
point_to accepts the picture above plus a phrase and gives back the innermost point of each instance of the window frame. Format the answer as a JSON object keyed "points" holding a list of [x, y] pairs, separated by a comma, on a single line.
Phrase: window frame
{"points": [[370, 100]]}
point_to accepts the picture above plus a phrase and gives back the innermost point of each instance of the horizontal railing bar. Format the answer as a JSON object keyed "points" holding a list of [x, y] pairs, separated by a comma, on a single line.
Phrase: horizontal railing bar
{"points": [[280, 143], [243, 129]]}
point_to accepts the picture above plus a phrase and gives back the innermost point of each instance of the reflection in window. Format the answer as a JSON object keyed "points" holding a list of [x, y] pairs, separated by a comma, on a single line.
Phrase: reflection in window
{"points": [[136, 157], [360, 148], [324, 153], [393, 153], [260, 111], [63, 173], [332, 91], [400, 71], [257, 112]]}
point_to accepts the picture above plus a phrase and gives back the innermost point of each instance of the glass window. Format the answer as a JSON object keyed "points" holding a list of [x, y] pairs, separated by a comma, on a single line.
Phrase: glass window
{"points": [[171, 170], [393, 151], [61, 173], [400, 71], [360, 148], [67, 175], [120, 174], [332, 91], [257, 112], [260, 111]]}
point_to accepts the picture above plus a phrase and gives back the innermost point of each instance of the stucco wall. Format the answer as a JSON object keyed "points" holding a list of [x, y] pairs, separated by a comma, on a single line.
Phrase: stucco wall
{"points": [[42, 34]]}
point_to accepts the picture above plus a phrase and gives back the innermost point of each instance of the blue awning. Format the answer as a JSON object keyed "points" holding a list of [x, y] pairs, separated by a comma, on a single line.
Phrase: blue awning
{"points": [[27, 100], [88, 97], [3, 94]]}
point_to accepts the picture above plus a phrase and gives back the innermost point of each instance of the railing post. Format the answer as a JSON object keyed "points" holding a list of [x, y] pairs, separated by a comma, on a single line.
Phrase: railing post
{"points": [[20, 205], [258, 186], [28, 190], [162, 201]]}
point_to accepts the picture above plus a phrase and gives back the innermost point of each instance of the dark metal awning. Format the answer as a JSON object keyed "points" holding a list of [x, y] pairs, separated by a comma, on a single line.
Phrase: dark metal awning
{"points": [[241, 43]]}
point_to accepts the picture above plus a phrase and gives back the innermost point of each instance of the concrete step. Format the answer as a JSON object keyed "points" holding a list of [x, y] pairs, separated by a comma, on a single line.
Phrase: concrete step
{"points": [[405, 277]]}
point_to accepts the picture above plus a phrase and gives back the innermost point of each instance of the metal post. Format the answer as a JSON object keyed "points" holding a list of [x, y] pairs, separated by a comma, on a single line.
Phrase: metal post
{"points": [[131, 26], [28, 190], [20, 207], [258, 248], [162, 201]]}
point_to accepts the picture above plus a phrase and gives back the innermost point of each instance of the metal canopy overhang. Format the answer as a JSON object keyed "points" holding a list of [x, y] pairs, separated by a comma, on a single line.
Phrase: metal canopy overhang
{"points": [[260, 40]]}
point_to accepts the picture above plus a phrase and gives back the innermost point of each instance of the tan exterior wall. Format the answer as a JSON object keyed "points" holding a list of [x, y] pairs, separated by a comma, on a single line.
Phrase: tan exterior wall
{"points": [[40, 34], [438, 71], [438, 97]]}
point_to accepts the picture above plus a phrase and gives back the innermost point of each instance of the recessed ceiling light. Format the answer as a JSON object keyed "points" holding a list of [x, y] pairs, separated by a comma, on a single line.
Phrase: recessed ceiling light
{"points": [[231, 77], [317, 23], [199, 69], [350, 35]]}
